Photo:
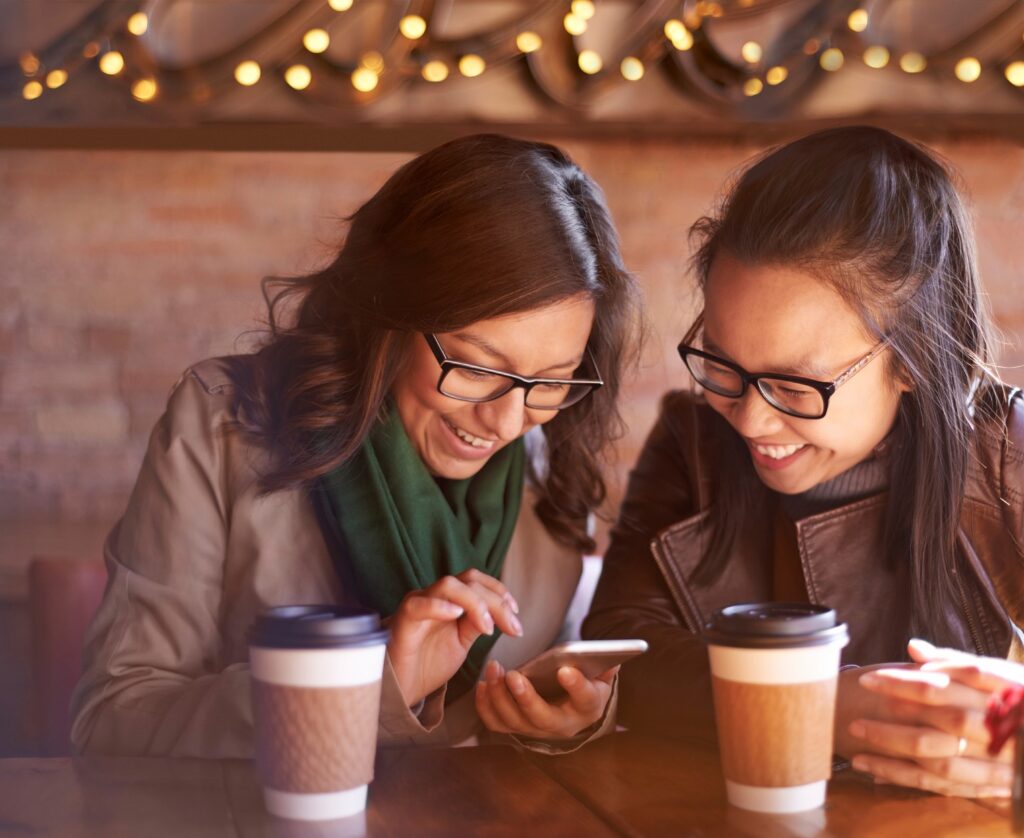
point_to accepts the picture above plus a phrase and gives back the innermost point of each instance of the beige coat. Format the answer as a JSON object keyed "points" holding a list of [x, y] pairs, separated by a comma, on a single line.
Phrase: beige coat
{"points": [[199, 553]]}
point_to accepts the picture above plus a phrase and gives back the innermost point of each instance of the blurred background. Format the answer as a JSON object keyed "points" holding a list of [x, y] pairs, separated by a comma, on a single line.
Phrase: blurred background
{"points": [[158, 158]]}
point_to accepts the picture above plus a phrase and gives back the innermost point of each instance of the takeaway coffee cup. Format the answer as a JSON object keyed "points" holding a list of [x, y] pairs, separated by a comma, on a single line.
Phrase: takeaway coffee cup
{"points": [[774, 669], [316, 673]]}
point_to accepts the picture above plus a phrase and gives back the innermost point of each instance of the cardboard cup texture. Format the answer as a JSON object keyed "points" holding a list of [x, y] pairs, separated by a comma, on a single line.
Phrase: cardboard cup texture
{"points": [[775, 711], [316, 714]]}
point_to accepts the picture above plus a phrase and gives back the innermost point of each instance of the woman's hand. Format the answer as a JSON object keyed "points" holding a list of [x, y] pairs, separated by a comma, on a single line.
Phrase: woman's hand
{"points": [[926, 728], [508, 703], [433, 628]]}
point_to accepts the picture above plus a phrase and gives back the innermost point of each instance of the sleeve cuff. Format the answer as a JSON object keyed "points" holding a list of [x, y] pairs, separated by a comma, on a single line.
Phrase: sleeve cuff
{"points": [[403, 725]]}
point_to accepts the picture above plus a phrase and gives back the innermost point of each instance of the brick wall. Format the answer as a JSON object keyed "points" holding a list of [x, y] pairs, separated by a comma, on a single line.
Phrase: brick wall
{"points": [[121, 268]]}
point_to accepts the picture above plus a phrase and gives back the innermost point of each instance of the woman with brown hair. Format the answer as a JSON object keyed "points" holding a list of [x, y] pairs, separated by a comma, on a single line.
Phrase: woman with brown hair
{"points": [[421, 435], [851, 446]]}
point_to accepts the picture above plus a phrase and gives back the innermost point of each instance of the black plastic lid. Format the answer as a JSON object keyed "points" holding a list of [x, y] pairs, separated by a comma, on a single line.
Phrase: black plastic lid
{"points": [[317, 627], [774, 625]]}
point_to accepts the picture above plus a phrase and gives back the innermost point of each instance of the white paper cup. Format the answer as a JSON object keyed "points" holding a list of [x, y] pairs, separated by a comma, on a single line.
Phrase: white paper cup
{"points": [[774, 670], [316, 673]]}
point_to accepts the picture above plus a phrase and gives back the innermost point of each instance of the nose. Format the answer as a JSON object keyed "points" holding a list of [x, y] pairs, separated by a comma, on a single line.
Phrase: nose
{"points": [[753, 417], [505, 417]]}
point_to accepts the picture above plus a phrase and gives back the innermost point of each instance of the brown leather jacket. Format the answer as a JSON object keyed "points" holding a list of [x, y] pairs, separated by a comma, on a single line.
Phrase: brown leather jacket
{"points": [[646, 589]]}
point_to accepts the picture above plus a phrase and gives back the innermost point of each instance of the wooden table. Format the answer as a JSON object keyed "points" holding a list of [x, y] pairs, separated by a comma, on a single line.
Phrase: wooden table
{"points": [[622, 785]]}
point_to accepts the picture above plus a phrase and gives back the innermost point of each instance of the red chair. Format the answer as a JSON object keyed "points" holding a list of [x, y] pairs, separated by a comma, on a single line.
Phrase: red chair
{"points": [[63, 596]]}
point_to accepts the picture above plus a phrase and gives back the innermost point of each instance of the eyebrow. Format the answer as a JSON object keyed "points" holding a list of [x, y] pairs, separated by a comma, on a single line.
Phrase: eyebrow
{"points": [[483, 345], [804, 368]]}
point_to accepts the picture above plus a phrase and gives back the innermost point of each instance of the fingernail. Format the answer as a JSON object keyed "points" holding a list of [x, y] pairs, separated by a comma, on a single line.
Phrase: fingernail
{"points": [[858, 729], [517, 626], [511, 600], [860, 764], [515, 683], [491, 673], [488, 623], [568, 675], [868, 679], [455, 610]]}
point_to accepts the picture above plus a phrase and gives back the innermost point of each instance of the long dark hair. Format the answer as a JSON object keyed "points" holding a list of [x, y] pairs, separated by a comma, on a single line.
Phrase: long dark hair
{"points": [[879, 219], [477, 228]]}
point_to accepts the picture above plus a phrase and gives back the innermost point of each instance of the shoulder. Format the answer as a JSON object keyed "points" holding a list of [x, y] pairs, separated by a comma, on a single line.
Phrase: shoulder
{"points": [[203, 403]]}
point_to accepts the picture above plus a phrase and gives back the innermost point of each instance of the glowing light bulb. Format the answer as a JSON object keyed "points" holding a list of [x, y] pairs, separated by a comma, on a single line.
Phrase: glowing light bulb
{"points": [[91, 50], [412, 27], [435, 71], [751, 87], [364, 79], [858, 20], [752, 52], [968, 69], [138, 23], [29, 63], [590, 62], [55, 78], [831, 59], [912, 62], [111, 63], [145, 90], [632, 68], [528, 42], [679, 35], [472, 65], [574, 24], [298, 77], [776, 75], [583, 8], [32, 90], [372, 61], [316, 40], [247, 73], [1015, 73], [340, 5], [876, 57]]}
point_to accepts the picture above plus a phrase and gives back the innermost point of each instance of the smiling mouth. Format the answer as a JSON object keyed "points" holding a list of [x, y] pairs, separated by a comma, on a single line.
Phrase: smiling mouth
{"points": [[778, 452], [469, 439]]}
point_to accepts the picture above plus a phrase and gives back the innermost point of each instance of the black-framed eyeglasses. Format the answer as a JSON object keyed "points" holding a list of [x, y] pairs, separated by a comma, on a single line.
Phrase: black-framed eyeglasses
{"points": [[805, 398], [472, 383]]}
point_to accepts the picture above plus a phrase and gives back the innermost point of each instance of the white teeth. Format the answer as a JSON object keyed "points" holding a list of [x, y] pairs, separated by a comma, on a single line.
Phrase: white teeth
{"points": [[777, 452], [475, 441]]}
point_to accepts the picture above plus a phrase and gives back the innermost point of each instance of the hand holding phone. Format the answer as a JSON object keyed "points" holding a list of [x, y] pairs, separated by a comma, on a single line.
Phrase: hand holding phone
{"points": [[590, 657]]}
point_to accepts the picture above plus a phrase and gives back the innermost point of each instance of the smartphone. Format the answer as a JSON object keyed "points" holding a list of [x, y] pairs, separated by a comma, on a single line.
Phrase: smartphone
{"points": [[591, 657]]}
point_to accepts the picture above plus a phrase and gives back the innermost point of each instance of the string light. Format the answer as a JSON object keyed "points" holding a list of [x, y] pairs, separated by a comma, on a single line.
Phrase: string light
{"points": [[574, 24], [55, 78], [678, 34], [811, 46], [751, 87], [776, 75], [435, 71], [876, 57], [298, 77], [144, 90], [831, 59], [583, 8], [111, 63], [632, 68], [138, 23], [1015, 73], [29, 63], [590, 62], [247, 73], [340, 5], [364, 79], [32, 90], [528, 42], [316, 40], [968, 69], [858, 20], [751, 52], [91, 50], [912, 62], [472, 65], [412, 27]]}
